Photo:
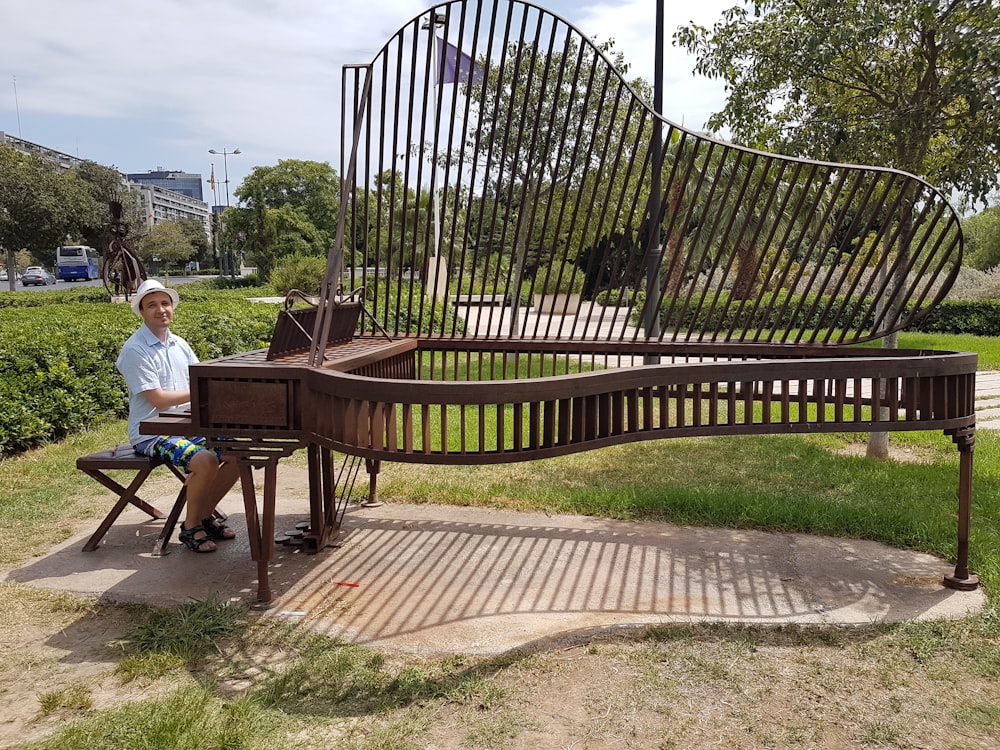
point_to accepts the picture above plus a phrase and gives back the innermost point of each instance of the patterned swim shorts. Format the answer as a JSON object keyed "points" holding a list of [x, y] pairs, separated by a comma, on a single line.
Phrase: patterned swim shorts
{"points": [[176, 450]]}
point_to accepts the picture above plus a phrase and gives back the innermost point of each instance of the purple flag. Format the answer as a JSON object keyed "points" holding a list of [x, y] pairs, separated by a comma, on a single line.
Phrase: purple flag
{"points": [[455, 65]]}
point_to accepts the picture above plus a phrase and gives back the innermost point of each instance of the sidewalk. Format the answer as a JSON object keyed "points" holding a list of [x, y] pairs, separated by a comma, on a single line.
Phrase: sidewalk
{"points": [[441, 579], [988, 400]]}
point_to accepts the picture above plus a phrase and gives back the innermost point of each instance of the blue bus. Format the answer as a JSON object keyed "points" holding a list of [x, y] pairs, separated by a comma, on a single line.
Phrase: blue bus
{"points": [[77, 262]]}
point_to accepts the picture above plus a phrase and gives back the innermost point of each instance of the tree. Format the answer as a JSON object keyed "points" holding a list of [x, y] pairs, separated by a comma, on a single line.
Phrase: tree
{"points": [[982, 237], [291, 207], [540, 144], [167, 243], [194, 230], [40, 206], [911, 85], [102, 185]]}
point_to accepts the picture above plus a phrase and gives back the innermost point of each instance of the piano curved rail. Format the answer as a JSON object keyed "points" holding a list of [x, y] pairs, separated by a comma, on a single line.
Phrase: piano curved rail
{"points": [[723, 287], [730, 390]]}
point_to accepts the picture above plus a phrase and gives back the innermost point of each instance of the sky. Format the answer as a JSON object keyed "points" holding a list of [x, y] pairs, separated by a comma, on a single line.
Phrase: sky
{"points": [[144, 85]]}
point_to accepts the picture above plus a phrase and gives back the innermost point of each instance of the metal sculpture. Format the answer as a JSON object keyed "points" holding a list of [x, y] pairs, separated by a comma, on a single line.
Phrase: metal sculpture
{"points": [[491, 152], [123, 272]]}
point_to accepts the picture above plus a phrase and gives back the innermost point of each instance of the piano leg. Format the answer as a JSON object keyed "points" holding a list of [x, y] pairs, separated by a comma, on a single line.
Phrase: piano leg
{"points": [[316, 516], [260, 526], [324, 523], [962, 579], [373, 466]]}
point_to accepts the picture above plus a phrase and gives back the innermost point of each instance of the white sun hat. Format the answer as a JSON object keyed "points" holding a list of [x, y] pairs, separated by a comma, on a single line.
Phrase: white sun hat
{"points": [[148, 287]]}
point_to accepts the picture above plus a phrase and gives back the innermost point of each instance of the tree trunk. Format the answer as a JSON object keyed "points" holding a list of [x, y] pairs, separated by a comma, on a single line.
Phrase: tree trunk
{"points": [[878, 442], [11, 262], [675, 266], [746, 278]]}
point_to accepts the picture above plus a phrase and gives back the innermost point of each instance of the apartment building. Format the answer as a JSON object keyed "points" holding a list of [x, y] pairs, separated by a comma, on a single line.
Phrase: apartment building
{"points": [[163, 195], [179, 182]]}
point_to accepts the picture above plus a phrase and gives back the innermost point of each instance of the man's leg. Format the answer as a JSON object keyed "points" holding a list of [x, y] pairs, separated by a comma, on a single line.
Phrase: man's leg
{"points": [[202, 481], [207, 482], [228, 474]]}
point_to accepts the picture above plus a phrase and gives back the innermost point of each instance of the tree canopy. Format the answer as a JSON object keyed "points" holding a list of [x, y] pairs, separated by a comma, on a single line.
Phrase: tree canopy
{"points": [[542, 149], [288, 208], [169, 243], [42, 206], [982, 237], [912, 84]]}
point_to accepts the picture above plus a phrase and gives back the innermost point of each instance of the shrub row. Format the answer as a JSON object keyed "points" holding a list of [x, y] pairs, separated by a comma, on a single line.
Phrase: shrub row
{"points": [[58, 351], [976, 317], [57, 361]]}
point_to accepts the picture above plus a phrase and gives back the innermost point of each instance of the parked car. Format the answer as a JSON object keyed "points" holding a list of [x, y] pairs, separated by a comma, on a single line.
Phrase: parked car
{"points": [[37, 275]]}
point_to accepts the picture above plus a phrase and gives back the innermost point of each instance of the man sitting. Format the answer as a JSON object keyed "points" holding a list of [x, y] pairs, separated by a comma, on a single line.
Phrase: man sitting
{"points": [[154, 362]]}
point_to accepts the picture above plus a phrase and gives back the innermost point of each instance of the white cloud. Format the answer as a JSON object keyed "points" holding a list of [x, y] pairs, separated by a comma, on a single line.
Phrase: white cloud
{"points": [[687, 99], [145, 84]]}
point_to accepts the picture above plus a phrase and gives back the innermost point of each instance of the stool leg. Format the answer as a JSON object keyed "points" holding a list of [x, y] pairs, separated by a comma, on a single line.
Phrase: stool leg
{"points": [[160, 548], [126, 495]]}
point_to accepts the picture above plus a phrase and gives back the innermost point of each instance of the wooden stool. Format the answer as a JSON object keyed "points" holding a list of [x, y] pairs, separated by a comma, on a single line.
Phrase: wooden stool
{"points": [[124, 457]]}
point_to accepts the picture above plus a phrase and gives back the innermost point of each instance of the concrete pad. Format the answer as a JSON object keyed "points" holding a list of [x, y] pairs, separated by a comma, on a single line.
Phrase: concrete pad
{"points": [[442, 579]]}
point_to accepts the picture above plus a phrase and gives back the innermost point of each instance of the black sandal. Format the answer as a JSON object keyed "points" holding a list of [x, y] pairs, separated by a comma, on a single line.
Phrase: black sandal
{"points": [[194, 543], [216, 529]]}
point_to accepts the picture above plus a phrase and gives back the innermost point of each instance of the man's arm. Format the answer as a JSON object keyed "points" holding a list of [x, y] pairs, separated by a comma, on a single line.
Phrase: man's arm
{"points": [[162, 399]]}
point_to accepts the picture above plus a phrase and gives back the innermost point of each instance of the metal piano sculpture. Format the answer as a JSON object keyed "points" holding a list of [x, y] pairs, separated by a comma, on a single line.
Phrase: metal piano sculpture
{"points": [[723, 288]]}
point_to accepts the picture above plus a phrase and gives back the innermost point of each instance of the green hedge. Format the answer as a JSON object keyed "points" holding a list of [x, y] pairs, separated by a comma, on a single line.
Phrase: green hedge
{"points": [[976, 317], [57, 361], [778, 311], [65, 296], [58, 352]]}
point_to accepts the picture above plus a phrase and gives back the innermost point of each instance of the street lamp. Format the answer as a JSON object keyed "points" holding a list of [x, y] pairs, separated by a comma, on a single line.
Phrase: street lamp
{"points": [[225, 166], [437, 267], [215, 221]]}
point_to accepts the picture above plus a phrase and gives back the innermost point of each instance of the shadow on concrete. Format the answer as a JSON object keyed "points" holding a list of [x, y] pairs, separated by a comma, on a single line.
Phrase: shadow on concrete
{"points": [[444, 579]]}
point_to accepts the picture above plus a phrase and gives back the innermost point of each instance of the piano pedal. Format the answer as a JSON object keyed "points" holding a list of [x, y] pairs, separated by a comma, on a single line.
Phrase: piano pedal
{"points": [[293, 536]]}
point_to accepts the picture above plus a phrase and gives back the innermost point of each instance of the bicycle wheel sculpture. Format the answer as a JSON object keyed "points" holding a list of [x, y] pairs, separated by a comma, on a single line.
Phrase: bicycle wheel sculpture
{"points": [[123, 271]]}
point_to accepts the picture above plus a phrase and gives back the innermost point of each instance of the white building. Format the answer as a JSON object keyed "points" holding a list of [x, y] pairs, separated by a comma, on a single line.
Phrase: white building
{"points": [[158, 203]]}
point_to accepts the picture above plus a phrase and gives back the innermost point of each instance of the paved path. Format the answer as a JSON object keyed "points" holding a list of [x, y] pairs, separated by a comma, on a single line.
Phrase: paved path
{"points": [[442, 579], [988, 400]]}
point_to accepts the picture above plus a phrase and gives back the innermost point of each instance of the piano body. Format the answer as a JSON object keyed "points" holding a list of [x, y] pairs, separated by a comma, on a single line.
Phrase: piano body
{"points": [[726, 291]]}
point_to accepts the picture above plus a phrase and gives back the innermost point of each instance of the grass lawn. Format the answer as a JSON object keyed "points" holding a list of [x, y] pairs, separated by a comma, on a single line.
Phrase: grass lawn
{"points": [[211, 675]]}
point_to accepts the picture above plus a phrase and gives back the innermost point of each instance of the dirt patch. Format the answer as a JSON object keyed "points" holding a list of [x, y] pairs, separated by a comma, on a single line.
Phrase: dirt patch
{"points": [[902, 454], [705, 686], [52, 643]]}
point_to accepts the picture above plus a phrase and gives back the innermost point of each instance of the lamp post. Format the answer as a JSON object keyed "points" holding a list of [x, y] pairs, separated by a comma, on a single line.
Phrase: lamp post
{"points": [[225, 166], [215, 221], [436, 275], [651, 323]]}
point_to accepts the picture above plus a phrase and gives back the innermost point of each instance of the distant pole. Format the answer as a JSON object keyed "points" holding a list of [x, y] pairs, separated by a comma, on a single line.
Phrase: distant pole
{"points": [[431, 24], [17, 107], [225, 167], [215, 218], [652, 317]]}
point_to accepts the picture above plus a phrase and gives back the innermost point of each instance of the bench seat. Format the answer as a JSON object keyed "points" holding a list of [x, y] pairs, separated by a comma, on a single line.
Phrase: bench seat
{"points": [[124, 458]]}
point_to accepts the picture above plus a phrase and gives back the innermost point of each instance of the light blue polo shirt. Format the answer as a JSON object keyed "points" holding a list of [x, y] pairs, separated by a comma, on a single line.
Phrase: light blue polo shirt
{"points": [[148, 363]]}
